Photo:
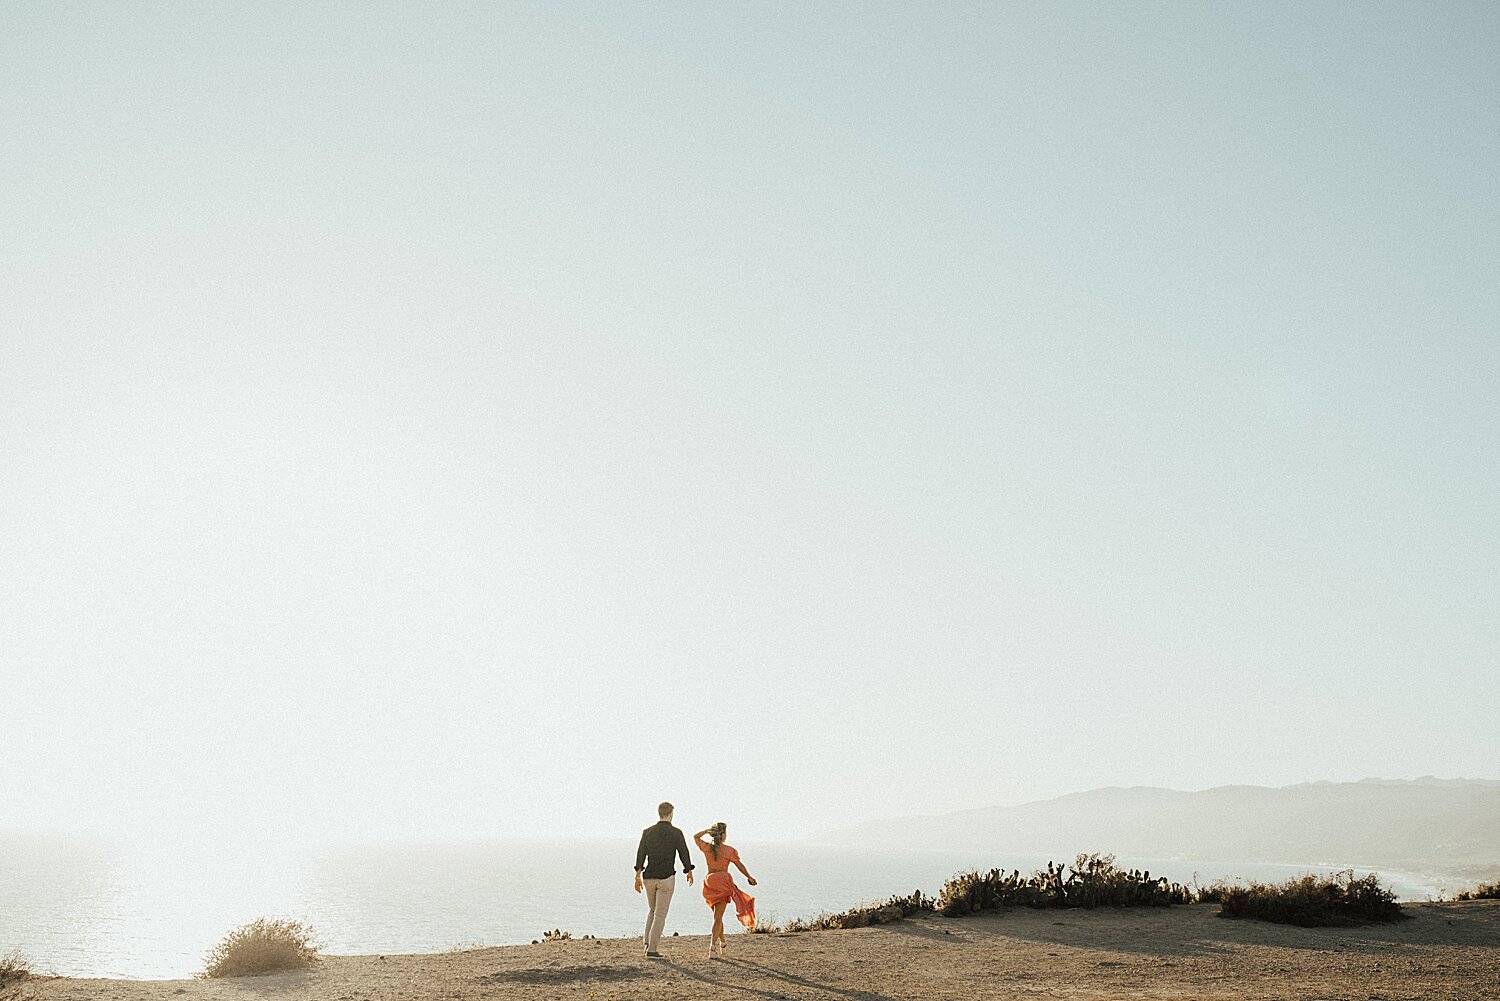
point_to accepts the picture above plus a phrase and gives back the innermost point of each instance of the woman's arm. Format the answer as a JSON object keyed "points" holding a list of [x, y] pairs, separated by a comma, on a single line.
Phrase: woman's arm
{"points": [[741, 866]]}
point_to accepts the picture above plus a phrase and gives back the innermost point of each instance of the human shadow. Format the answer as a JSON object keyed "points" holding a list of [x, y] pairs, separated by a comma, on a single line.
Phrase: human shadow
{"points": [[1067, 928], [780, 975]]}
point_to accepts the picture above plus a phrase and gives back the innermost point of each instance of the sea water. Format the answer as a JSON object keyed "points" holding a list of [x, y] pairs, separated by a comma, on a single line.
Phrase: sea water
{"points": [[85, 910]]}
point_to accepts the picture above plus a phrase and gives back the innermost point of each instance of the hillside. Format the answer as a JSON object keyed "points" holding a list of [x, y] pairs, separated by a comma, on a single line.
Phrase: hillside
{"points": [[1419, 825]]}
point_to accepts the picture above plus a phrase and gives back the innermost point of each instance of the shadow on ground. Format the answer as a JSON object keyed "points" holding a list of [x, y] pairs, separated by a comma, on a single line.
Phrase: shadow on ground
{"points": [[291, 982], [1072, 929], [1199, 931], [784, 981], [563, 974]]}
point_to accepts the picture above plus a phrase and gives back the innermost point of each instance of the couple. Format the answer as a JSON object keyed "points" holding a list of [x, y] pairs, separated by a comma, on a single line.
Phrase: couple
{"points": [[656, 876]]}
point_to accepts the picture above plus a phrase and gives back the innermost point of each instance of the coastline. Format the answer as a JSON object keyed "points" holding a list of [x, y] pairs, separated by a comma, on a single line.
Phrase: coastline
{"points": [[154, 916], [1446, 950]]}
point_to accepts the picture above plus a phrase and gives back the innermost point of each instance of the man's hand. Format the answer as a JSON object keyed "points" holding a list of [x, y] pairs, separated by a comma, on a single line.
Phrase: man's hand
{"points": [[689, 875], [639, 886]]}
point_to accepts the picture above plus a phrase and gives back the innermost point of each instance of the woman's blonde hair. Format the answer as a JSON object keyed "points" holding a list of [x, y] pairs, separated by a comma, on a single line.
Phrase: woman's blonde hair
{"points": [[717, 832]]}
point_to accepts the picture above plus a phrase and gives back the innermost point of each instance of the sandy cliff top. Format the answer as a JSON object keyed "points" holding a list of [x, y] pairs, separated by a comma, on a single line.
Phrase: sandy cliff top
{"points": [[1448, 951]]}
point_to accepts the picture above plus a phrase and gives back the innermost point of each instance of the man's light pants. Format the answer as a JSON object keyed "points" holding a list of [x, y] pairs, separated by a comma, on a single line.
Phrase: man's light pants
{"points": [[658, 898]]}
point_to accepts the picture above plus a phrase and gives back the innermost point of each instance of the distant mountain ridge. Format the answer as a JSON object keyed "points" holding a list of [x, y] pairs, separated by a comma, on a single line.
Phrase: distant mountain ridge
{"points": [[1425, 780], [1449, 826]]}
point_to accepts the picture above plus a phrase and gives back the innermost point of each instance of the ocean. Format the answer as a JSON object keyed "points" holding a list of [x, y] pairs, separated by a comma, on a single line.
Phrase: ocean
{"points": [[85, 910]]}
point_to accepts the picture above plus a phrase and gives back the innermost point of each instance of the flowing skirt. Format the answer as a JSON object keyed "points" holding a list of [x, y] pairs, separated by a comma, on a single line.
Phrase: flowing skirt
{"points": [[719, 887]]}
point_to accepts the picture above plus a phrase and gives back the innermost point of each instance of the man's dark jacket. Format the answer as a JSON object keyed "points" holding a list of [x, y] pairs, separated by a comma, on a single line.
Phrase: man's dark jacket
{"points": [[654, 856]]}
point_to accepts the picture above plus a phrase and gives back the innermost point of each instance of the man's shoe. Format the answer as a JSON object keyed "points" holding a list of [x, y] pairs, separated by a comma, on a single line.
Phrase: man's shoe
{"points": [[653, 955]]}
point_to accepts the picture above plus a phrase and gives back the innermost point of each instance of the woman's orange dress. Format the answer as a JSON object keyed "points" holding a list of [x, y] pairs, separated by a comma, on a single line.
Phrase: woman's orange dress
{"points": [[719, 886]]}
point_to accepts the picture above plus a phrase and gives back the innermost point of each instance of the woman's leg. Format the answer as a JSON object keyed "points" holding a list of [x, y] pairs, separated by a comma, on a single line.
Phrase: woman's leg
{"points": [[719, 922]]}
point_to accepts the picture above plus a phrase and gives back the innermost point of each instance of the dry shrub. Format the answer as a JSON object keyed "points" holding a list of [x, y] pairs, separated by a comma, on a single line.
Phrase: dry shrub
{"points": [[1484, 891], [765, 924], [13, 967], [891, 909], [822, 921], [260, 947], [1312, 901]]}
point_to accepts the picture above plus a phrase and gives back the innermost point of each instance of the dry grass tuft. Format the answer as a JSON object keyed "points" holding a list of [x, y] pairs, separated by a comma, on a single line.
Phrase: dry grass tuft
{"points": [[766, 924], [13, 967], [260, 947]]}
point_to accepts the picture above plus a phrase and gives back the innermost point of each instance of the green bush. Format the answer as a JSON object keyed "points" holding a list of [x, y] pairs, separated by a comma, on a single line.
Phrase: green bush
{"points": [[261, 947], [1312, 901], [1093, 880], [1214, 894], [968, 892]]}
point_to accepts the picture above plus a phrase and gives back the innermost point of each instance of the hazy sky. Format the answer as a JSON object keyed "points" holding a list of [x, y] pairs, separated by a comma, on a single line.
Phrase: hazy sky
{"points": [[471, 419]]}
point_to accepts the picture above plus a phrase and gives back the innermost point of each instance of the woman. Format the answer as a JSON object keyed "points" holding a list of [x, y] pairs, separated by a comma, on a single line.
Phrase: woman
{"points": [[719, 888]]}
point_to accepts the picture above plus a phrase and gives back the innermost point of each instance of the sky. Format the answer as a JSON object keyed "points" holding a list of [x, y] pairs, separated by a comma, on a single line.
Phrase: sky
{"points": [[486, 420]]}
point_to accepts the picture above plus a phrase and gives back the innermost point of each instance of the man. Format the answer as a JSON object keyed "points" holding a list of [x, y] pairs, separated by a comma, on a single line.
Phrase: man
{"points": [[656, 874]]}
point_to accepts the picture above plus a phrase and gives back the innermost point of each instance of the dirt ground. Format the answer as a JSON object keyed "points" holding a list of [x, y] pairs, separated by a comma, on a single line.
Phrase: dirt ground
{"points": [[1448, 950]]}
